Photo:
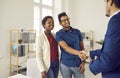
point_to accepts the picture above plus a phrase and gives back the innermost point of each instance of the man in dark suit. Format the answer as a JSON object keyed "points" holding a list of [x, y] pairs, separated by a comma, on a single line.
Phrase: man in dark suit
{"points": [[108, 57]]}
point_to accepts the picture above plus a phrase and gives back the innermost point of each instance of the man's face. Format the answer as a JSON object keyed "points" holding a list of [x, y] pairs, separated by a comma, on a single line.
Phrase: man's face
{"points": [[65, 22], [107, 7]]}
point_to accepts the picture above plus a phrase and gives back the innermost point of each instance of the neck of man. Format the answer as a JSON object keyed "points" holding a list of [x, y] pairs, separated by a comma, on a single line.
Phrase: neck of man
{"points": [[67, 28], [113, 10]]}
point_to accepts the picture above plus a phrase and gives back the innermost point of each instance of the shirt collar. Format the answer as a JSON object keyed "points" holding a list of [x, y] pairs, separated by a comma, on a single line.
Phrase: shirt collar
{"points": [[66, 30], [114, 14]]}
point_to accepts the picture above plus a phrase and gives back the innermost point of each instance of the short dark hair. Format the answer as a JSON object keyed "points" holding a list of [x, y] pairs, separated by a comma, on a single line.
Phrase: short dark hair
{"points": [[60, 15], [45, 19], [117, 3]]}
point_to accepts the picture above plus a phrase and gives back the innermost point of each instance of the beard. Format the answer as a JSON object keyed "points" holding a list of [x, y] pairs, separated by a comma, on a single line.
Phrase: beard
{"points": [[107, 15]]}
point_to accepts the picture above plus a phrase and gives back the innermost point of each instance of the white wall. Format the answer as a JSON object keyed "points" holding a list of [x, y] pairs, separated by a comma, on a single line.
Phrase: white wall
{"points": [[14, 14], [57, 10], [87, 15]]}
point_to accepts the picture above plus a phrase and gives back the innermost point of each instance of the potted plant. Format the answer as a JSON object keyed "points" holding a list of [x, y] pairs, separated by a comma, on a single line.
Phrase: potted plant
{"points": [[100, 42]]}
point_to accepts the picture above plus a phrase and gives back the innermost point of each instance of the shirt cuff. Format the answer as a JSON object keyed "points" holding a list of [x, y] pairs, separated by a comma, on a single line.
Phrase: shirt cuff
{"points": [[88, 60]]}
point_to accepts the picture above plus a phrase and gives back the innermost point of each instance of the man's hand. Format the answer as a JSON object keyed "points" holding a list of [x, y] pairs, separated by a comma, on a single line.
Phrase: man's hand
{"points": [[83, 55], [82, 67]]}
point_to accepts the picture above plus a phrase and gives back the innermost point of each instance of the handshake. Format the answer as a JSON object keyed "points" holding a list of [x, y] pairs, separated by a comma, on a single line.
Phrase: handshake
{"points": [[84, 55]]}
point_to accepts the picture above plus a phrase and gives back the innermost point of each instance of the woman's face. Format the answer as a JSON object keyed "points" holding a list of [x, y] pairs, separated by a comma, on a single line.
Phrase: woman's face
{"points": [[49, 25]]}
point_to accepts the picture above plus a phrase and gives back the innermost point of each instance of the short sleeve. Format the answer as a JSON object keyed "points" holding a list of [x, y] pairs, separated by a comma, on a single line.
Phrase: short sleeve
{"points": [[80, 35], [58, 37]]}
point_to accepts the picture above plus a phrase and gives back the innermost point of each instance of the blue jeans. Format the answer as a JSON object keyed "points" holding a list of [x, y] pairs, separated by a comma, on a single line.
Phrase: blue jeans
{"points": [[53, 70], [67, 72]]}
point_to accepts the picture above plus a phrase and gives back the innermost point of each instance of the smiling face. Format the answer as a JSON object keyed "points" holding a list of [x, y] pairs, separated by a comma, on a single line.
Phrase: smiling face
{"points": [[49, 24], [64, 21]]}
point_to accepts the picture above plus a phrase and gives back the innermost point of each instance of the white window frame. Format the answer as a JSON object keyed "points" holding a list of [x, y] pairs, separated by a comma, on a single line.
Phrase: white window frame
{"points": [[39, 28]]}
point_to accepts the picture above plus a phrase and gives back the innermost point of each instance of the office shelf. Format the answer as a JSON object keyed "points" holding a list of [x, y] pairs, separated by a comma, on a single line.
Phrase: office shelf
{"points": [[22, 44]]}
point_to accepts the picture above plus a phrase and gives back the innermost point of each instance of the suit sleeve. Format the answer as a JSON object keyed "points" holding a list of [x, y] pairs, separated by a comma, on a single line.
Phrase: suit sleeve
{"points": [[95, 53], [107, 60]]}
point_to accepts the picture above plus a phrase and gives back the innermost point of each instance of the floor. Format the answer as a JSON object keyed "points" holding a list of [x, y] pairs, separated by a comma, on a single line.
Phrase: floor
{"points": [[88, 74]]}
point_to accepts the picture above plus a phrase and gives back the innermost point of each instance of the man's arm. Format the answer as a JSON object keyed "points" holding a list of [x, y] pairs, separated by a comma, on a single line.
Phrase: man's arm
{"points": [[68, 49], [110, 53], [65, 46], [81, 45]]}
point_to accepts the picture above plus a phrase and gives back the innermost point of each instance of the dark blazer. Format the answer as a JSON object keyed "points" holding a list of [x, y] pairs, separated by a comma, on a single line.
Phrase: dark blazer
{"points": [[108, 61]]}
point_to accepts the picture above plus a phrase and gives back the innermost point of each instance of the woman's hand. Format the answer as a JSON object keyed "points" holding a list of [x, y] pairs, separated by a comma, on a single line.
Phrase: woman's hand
{"points": [[44, 74]]}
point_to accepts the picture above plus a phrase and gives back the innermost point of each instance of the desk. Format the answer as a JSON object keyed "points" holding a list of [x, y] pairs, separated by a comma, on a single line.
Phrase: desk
{"points": [[19, 76]]}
